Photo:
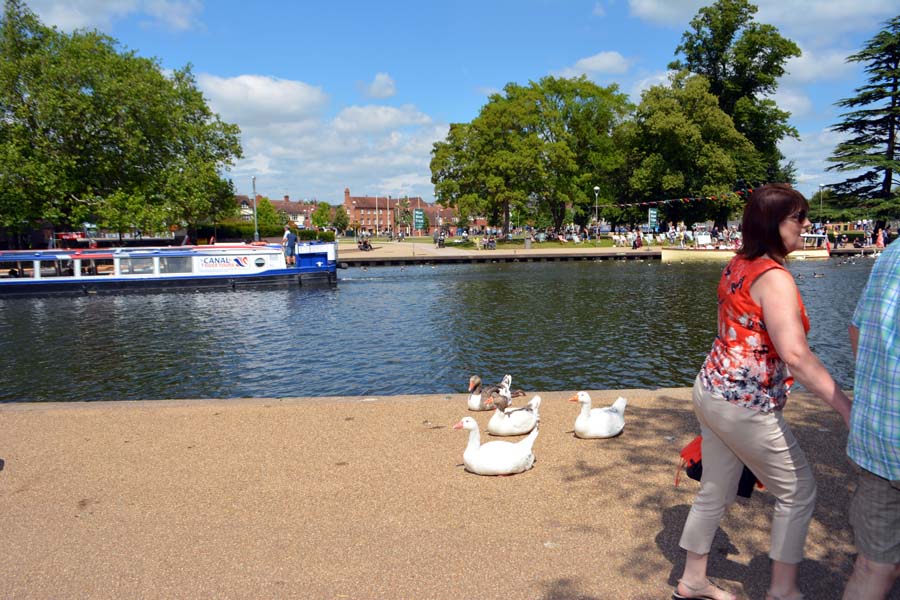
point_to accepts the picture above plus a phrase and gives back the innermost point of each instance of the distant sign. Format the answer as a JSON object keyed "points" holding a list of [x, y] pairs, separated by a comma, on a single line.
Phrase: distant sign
{"points": [[419, 218], [652, 217]]}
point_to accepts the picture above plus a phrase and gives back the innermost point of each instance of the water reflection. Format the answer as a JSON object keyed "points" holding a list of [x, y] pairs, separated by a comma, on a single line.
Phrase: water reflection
{"points": [[393, 330]]}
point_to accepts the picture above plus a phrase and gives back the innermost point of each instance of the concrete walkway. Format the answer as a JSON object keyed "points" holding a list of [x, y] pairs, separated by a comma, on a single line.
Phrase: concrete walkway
{"points": [[407, 250], [366, 498]]}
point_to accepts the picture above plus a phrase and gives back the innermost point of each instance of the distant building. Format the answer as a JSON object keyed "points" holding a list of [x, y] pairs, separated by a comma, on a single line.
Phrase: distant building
{"points": [[381, 214], [296, 213]]}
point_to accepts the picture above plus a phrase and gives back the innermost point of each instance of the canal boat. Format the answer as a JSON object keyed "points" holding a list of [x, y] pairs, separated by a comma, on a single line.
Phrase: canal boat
{"points": [[815, 245], [79, 271]]}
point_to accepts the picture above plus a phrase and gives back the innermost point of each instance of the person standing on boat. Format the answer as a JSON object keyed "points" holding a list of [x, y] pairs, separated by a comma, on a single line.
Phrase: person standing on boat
{"points": [[874, 441], [742, 387], [879, 238], [289, 243]]}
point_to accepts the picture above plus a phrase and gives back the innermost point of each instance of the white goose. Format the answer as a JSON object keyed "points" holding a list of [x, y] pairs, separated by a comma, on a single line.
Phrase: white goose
{"points": [[496, 458], [599, 422], [513, 421]]}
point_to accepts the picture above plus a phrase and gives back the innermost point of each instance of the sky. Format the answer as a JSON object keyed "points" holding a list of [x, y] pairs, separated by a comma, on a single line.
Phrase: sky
{"points": [[353, 94]]}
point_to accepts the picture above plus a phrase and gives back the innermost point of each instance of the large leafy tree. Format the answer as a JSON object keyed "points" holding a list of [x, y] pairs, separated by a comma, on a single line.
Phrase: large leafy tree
{"points": [[341, 219], [536, 150], [92, 132], [872, 127], [573, 127], [681, 144], [321, 216], [743, 61]]}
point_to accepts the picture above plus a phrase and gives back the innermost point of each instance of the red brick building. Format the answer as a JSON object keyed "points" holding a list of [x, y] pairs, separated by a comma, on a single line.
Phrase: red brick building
{"points": [[382, 213]]}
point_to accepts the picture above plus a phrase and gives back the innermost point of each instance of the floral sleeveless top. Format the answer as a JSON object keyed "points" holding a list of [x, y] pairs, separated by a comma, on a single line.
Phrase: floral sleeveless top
{"points": [[743, 366]]}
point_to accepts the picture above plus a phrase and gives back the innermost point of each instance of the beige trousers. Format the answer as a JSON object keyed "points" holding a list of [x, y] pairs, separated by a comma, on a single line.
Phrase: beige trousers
{"points": [[734, 436]]}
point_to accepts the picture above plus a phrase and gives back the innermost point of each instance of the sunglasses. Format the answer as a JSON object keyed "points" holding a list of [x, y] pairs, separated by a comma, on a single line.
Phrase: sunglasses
{"points": [[799, 216]]}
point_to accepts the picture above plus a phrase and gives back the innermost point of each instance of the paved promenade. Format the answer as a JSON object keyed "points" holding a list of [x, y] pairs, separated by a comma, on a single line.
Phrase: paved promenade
{"points": [[387, 251], [409, 250], [366, 498]]}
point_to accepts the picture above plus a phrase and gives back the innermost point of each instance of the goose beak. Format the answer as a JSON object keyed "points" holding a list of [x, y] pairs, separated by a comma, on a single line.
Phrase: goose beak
{"points": [[574, 398], [489, 401], [458, 425]]}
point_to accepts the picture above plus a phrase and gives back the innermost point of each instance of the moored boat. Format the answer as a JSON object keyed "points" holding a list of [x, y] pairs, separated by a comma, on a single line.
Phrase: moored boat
{"points": [[815, 245], [116, 270], [675, 254]]}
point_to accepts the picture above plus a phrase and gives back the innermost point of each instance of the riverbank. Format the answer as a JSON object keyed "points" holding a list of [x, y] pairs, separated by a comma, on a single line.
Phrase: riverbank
{"points": [[390, 253], [366, 498]]}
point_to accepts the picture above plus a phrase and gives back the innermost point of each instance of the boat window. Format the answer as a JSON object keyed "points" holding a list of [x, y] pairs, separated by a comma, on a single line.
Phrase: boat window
{"points": [[135, 266], [175, 264]]}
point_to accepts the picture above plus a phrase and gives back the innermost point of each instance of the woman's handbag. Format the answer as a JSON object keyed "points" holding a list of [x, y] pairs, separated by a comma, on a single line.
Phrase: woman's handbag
{"points": [[692, 464]]}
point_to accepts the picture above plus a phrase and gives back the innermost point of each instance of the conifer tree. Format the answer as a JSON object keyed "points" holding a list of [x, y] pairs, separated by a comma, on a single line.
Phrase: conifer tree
{"points": [[872, 129]]}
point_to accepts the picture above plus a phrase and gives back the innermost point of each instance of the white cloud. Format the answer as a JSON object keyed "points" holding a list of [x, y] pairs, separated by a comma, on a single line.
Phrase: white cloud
{"points": [[100, 14], [824, 20], [382, 87], [378, 118], [258, 100], [793, 100], [810, 17], [810, 155], [645, 83], [817, 65], [666, 12], [288, 140], [75, 14], [179, 15], [602, 63]]}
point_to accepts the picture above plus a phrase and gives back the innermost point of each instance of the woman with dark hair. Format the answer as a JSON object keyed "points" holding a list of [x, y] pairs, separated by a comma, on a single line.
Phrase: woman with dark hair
{"points": [[759, 350]]}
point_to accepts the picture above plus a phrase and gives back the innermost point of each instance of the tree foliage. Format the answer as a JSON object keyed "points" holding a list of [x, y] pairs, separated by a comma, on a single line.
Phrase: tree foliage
{"points": [[91, 132], [266, 215], [341, 219], [534, 149], [321, 216], [682, 144], [742, 60], [872, 129]]}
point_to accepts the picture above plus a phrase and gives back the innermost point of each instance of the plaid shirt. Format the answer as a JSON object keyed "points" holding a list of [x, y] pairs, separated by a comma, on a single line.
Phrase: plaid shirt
{"points": [[874, 441]]}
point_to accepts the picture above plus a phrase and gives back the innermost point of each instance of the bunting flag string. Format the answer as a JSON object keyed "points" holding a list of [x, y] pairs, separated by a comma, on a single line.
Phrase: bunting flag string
{"points": [[739, 193]]}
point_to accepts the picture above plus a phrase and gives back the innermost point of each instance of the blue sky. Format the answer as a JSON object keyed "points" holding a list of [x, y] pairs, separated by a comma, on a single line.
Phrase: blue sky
{"points": [[353, 94]]}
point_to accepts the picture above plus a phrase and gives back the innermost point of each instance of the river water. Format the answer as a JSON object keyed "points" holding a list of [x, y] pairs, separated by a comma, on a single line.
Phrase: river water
{"points": [[401, 330]]}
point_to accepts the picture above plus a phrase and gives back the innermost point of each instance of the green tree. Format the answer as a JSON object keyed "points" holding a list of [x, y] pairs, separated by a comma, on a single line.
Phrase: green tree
{"points": [[872, 129], [681, 144], [321, 216], [743, 60], [266, 215], [405, 216], [87, 130], [341, 218], [534, 149]]}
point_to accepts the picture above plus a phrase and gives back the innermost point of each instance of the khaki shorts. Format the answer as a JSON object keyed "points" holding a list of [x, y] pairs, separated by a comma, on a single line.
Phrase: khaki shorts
{"points": [[875, 517]]}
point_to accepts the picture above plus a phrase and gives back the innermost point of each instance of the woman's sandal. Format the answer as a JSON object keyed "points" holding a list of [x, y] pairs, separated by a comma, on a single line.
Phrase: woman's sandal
{"points": [[698, 593]]}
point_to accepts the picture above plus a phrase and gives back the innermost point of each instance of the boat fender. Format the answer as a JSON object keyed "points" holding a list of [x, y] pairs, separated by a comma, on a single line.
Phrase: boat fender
{"points": [[343, 265]]}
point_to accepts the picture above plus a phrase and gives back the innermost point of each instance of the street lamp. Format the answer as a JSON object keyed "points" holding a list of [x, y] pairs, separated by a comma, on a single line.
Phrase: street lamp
{"points": [[255, 222], [821, 194], [596, 193]]}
